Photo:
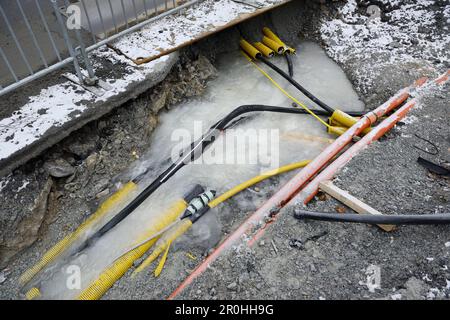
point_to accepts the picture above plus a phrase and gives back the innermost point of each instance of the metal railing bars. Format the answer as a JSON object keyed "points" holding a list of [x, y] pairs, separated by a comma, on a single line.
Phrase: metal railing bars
{"points": [[57, 46]]}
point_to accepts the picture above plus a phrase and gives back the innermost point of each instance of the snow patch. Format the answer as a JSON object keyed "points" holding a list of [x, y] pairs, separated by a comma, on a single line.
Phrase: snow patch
{"points": [[397, 296], [179, 29], [408, 30], [23, 186]]}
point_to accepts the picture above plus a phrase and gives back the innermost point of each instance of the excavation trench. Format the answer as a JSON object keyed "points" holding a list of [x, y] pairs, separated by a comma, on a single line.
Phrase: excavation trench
{"points": [[257, 143]]}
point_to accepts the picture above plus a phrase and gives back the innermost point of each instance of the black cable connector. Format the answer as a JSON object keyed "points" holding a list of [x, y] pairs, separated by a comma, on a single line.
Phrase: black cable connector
{"points": [[290, 64]]}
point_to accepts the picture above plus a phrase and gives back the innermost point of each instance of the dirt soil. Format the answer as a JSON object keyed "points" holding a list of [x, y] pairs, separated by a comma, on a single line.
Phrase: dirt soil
{"points": [[294, 260]]}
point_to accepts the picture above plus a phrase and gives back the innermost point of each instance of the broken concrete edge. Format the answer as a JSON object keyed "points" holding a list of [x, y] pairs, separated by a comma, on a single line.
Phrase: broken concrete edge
{"points": [[149, 76]]}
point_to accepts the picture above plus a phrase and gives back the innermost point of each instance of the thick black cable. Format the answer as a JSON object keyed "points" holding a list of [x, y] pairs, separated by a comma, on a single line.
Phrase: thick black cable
{"points": [[416, 219], [297, 85], [191, 154], [290, 64]]}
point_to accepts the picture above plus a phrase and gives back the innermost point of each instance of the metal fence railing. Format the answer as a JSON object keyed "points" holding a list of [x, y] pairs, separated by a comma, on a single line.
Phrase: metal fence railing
{"points": [[40, 36]]}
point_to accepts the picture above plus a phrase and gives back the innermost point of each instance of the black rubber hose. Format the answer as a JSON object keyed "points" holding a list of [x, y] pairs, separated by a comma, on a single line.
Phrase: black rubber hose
{"points": [[290, 64], [297, 85], [375, 219], [189, 155]]}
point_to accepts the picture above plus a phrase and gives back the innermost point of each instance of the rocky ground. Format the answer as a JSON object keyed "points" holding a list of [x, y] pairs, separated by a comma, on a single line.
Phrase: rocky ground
{"points": [[48, 197]]}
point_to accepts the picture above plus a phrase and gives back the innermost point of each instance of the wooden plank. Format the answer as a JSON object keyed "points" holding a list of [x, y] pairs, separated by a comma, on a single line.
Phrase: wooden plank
{"points": [[351, 202]]}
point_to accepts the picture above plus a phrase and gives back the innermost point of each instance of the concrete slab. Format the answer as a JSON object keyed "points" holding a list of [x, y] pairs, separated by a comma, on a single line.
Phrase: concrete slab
{"points": [[62, 108]]}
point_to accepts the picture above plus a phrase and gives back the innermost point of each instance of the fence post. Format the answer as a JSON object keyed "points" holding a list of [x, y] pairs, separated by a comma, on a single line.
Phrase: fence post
{"points": [[67, 39]]}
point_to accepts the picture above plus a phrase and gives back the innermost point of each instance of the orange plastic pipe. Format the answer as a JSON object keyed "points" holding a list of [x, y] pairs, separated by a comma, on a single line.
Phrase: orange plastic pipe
{"points": [[308, 193], [259, 220]]}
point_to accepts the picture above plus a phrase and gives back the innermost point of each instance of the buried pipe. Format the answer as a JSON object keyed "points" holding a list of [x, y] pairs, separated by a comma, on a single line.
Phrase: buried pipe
{"points": [[310, 190], [393, 219], [192, 212], [267, 213]]}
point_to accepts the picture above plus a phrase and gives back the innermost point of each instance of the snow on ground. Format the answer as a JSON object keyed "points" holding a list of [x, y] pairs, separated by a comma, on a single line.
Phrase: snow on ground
{"points": [[406, 25], [63, 102]]}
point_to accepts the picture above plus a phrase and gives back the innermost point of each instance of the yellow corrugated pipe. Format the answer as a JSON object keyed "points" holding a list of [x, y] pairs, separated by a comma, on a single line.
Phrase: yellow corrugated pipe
{"points": [[249, 49], [33, 293], [113, 273], [164, 221], [181, 227], [116, 199]]}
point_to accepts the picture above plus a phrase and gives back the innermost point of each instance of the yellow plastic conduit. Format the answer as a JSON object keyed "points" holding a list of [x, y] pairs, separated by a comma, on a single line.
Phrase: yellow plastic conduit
{"points": [[266, 51], [106, 280], [251, 50], [113, 273], [116, 199], [275, 46]]}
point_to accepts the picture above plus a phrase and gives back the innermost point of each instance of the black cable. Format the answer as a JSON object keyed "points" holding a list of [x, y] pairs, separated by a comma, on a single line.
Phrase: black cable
{"points": [[374, 219], [290, 64], [189, 155], [297, 85]]}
